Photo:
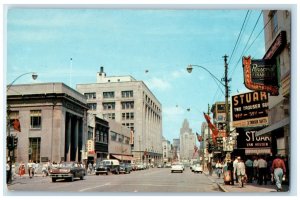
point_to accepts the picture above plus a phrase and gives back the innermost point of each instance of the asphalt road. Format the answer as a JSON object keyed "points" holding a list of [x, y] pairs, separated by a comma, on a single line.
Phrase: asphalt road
{"points": [[154, 180]]}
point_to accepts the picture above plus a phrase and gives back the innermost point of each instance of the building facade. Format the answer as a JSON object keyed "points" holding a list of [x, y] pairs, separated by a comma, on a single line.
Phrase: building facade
{"points": [[187, 142], [278, 48], [52, 120], [167, 151], [131, 103]]}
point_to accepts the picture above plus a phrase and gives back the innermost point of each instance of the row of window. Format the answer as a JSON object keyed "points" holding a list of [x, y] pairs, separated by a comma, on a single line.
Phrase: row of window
{"points": [[112, 105], [110, 94], [35, 118], [119, 138], [125, 116]]}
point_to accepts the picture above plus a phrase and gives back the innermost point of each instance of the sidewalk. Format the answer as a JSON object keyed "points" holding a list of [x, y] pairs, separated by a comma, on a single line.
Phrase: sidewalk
{"points": [[248, 188]]}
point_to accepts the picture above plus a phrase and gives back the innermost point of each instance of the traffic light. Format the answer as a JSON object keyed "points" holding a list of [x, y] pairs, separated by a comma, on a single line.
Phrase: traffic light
{"points": [[15, 140], [10, 144]]}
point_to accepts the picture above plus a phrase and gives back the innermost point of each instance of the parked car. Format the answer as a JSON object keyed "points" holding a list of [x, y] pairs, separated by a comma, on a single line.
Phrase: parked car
{"points": [[198, 168], [168, 165], [176, 168], [67, 170], [125, 168], [107, 166], [159, 166]]}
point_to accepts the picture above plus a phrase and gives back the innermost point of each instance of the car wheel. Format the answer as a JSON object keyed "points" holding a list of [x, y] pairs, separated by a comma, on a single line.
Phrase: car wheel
{"points": [[72, 178], [53, 179], [97, 174], [81, 177], [171, 171]]}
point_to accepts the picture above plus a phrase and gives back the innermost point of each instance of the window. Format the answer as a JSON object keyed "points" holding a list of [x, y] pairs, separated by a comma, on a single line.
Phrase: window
{"points": [[92, 106], [113, 136], [97, 136], [90, 133], [91, 95], [126, 94], [34, 149], [108, 106], [105, 138], [101, 136], [128, 116], [129, 125], [107, 95], [13, 115], [274, 23], [121, 138], [35, 119], [109, 116], [128, 105]]}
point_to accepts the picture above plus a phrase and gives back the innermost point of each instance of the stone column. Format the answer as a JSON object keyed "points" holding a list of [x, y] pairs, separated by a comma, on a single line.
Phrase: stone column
{"points": [[68, 138]]}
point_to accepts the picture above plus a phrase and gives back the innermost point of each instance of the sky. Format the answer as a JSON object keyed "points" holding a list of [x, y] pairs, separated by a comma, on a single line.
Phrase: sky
{"points": [[131, 41]]}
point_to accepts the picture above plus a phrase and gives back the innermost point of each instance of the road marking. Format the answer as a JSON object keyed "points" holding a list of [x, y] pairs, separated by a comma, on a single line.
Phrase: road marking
{"points": [[94, 187]]}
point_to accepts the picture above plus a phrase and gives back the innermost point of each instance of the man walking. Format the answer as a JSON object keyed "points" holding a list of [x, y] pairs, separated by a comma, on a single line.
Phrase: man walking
{"points": [[249, 169], [278, 168], [240, 171], [262, 170]]}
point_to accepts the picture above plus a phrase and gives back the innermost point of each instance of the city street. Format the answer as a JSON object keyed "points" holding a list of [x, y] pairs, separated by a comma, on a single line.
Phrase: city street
{"points": [[152, 180]]}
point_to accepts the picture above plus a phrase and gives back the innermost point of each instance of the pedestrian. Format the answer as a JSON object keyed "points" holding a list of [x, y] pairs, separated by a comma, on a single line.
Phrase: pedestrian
{"points": [[219, 168], [30, 166], [21, 169], [249, 169], [90, 168], [262, 170], [230, 169], [279, 170], [240, 171], [255, 169], [8, 172], [45, 170], [234, 168]]}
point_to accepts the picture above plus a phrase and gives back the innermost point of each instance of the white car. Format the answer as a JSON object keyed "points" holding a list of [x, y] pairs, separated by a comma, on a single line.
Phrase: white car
{"points": [[176, 168], [198, 168]]}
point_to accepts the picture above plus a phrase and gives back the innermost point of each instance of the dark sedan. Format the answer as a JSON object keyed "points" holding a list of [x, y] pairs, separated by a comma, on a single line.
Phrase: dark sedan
{"points": [[68, 171]]}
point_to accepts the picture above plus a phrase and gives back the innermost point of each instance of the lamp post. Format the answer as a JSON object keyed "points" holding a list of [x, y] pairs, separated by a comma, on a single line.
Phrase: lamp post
{"points": [[10, 137], [226, 80]]}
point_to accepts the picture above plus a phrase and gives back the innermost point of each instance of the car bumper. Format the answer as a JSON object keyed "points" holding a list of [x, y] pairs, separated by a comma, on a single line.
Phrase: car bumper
{"points": [[60, 175]]}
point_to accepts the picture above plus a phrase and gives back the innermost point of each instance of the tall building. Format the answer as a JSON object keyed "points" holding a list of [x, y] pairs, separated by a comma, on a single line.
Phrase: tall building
{"points": [[131, 103], [278, 48], [187, 141], [176, 149]]}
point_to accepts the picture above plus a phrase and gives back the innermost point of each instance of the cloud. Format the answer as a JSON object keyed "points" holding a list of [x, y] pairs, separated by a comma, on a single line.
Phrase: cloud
{"points": [[158, 84]]}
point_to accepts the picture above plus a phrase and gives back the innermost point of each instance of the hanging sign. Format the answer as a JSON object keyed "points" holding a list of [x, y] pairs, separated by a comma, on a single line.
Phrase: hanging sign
{"points": [[261, 75]]}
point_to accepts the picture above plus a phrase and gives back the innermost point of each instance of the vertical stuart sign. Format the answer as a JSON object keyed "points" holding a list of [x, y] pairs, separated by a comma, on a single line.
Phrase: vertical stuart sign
{"points": [[261, 75], [250, 109]]}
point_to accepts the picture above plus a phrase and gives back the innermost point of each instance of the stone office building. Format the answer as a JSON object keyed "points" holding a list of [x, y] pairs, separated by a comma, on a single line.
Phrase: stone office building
{"points": [[131, 103], [52, 118]]}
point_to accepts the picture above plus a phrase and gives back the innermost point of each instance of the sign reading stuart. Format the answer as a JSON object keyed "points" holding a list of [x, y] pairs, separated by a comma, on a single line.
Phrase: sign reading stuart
{"points": [[247, 139], [250, 109], [260, 75]]}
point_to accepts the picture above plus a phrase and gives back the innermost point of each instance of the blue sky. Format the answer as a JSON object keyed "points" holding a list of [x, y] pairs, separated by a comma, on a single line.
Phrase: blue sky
{"points": [[128, 42]]}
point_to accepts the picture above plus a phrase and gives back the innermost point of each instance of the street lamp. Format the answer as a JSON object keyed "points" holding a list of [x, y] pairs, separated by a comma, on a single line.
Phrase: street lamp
{"points": [[33, 74], [10, 137]]}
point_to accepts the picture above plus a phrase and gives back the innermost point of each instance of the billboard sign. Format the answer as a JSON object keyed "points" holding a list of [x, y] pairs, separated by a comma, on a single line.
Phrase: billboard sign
{"points": [[247, 139], [250, 109], [261, 75]]}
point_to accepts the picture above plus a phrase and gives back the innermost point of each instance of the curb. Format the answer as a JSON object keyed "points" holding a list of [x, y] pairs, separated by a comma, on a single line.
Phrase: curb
{"points": [[219, 185]]}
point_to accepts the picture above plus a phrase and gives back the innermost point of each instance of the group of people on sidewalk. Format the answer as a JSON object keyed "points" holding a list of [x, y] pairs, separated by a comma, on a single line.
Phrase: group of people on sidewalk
{"points": [[257, 169]]}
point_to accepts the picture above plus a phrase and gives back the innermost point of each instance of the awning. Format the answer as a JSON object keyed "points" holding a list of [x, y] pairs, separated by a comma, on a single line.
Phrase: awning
{"points": [[272, 127], [257, 151], [122, 157]]}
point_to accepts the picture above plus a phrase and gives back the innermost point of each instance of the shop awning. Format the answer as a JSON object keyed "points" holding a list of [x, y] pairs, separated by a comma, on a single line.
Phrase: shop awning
{"points": [[258, 151], [123, 157], [272, 127]]}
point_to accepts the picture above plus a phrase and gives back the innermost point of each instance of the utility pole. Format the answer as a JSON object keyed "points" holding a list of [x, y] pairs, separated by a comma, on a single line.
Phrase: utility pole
{"points": [[226, 95]]}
